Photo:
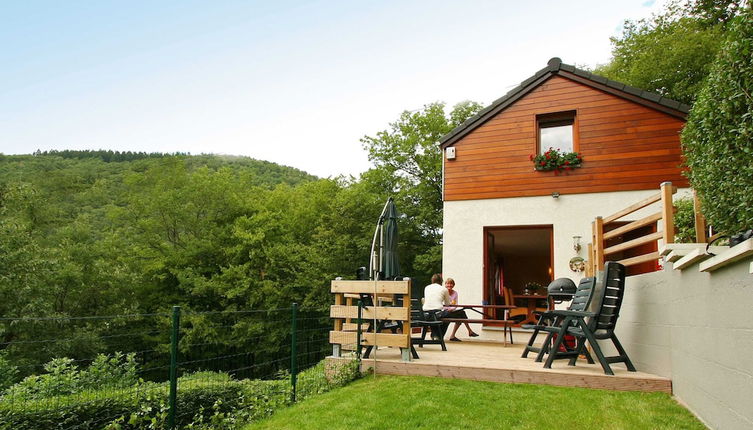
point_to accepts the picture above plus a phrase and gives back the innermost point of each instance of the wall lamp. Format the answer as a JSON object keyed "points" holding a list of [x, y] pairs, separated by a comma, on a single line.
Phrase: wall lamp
{"points": [[576, 243], [556, 195]]}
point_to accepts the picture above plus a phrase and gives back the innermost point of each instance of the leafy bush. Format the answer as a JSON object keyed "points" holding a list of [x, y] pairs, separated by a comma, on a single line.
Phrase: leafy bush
{"points": [[718, 138], [206, 400], [684, 221], [8, 373], [64, 377]]}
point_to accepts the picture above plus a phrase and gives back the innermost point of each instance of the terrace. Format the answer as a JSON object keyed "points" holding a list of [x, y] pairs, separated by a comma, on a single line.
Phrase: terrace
{"points": [[494, 362]]}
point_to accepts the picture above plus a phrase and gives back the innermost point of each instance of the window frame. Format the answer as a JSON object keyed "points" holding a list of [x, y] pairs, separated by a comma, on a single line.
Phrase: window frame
{"points": [[555, 119]]}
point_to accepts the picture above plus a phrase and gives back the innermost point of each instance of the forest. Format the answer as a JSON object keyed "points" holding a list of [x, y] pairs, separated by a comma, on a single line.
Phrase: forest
{"points": [[93, 233]]}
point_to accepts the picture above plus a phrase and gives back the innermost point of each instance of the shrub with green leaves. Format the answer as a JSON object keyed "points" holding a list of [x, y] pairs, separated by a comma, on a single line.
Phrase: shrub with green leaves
{"points": [[64, 377], [206, 400], [8, 373], [718, 138], [684, 221]]}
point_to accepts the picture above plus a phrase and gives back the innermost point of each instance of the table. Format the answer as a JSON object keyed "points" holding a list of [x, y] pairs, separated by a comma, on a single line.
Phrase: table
{"points": [[485, 318], [475, 308], [531, 300]]}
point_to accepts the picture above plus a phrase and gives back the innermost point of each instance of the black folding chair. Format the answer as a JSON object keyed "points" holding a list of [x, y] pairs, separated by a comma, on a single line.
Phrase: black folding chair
{"points": [[546, 322], [599, 326]]}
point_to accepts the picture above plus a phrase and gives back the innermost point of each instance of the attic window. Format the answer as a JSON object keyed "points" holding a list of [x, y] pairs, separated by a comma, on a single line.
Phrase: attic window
{"points": [[556, 130]]}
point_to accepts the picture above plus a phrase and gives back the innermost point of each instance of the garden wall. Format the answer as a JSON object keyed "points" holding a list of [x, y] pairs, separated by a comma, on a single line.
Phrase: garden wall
{"points": [[696, 328]]}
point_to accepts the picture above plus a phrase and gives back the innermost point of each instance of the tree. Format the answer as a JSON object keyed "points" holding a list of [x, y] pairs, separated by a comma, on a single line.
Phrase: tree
{"points": [[671, 53], [408, 165], [718, 138]]}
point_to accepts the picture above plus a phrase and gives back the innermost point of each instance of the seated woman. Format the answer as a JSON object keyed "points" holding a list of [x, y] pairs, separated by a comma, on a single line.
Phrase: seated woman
{"points": [[455, 312]]}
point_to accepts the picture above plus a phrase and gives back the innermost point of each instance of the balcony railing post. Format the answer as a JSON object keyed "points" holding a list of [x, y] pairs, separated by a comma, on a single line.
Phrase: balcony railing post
{"points": [[599, 244], [668, 213], [700, 220]]}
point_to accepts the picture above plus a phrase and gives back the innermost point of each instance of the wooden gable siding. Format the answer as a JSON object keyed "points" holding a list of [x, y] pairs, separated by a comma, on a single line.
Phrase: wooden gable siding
{"points": [[625, 146]]}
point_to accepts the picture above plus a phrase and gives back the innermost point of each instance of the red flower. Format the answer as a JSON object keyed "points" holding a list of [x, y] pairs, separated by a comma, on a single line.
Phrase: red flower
{"points": [[530, 157], [567, 162], [541, 163], [547, 155], [569, 168]]}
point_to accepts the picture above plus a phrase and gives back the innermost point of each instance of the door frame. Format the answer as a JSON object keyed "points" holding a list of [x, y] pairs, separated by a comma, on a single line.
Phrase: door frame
{"points": [[486, 232]]}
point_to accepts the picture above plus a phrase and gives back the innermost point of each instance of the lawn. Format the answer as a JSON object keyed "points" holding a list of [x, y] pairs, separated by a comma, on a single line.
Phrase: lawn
{"points": [[398, 402]]}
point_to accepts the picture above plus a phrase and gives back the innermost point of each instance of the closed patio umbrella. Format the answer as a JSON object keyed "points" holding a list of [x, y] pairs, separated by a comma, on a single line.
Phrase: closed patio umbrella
{"points": [[385, 265], [390, 264]]}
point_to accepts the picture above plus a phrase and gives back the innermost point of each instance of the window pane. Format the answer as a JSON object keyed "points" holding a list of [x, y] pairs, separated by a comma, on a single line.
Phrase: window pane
{"points": [[560, 137]]}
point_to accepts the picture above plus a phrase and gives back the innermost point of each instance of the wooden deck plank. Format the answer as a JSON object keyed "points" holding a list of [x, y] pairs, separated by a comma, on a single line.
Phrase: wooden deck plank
{"points": [[491, 361]]}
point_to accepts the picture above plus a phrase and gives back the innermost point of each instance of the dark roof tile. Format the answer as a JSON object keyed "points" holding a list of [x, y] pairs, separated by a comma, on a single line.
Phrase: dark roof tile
{"points": [[650, 96]]}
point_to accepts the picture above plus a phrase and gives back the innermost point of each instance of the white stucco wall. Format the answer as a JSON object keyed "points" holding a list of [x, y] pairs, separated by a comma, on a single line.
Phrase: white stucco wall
{"points": [[570, 215], [696, 328]]}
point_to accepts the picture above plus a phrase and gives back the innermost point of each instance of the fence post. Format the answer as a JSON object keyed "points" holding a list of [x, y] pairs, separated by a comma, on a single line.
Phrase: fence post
{"points": [[294, 352], [174, 367], [358, 331]]}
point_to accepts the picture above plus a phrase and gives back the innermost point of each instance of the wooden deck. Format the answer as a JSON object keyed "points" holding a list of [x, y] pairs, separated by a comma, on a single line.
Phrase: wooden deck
{"points": [[491, 361]]}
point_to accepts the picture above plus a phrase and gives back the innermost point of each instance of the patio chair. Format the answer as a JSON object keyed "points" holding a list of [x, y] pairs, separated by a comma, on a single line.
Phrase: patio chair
{"points": [[427, 321], [580, 302], [600, 324]]}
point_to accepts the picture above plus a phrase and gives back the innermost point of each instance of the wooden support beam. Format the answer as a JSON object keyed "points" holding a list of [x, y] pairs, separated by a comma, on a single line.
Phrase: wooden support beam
{"points": [[338, 301], [699, 219], [382, 313], [654, 256], [589, 263], [366, 287], [632, 208], [354, 326], [400, 340], [633, 225], [668, 211], [599, 243], [633, 243]]}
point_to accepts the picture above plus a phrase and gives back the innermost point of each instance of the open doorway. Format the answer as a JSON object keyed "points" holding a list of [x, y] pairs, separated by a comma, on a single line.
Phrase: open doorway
{"points": [[515, 256]]}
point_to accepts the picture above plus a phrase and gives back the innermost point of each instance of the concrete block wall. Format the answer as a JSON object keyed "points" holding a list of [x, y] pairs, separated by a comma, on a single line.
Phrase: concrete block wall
{"points": [[696, 328]]}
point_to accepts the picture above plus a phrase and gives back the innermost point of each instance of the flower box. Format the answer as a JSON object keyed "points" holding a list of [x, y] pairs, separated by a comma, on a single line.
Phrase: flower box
{"points": [[557, 161]]}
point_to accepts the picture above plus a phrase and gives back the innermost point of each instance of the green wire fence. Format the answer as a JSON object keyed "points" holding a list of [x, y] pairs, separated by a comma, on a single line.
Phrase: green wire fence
{"points": [[159, 370]]}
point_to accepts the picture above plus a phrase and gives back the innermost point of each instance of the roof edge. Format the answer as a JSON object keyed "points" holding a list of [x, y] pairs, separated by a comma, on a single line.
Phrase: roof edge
{"points": [[555, 66]]}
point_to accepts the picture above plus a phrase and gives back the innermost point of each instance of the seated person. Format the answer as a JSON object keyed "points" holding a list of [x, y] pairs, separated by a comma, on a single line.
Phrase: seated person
{"points": [[436, 298], [455, 312]]}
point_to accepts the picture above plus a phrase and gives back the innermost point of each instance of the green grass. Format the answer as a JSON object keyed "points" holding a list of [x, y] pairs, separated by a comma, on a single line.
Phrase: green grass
{"points": [[397, 402]]}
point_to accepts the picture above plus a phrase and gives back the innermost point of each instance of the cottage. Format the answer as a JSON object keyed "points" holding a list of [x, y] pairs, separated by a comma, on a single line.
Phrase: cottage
{"points": [[509, 223]]}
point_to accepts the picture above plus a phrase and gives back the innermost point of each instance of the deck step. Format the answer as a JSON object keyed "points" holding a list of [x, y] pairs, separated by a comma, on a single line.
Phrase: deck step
{"points": [[697, 256], [729, 256]]}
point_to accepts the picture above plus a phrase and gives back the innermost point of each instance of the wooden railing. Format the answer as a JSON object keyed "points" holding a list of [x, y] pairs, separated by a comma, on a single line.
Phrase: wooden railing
{"points": [[601, 231], [345, 335]]}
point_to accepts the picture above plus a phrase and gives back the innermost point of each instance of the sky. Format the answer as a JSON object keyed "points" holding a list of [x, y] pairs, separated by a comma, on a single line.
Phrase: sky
{"points": [[297, 83]]}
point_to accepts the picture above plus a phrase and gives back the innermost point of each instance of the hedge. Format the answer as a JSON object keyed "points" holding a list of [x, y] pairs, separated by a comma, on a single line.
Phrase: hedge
{"points": [[718, 138], [205, 400]]}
